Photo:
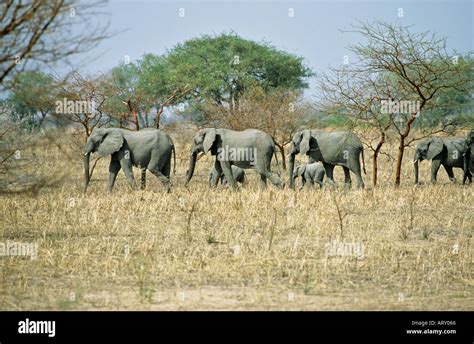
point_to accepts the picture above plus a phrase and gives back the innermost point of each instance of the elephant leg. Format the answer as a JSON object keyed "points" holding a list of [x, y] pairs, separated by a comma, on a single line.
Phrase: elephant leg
{"points": [[358, 174], [114, 169], [329, 173], [143, 179], [227, 169], [319, 178], [216, 175], [127, 169], [449, 171], [347, 177], [274, 179], [435, 165], [310, 182], [163, 179]]}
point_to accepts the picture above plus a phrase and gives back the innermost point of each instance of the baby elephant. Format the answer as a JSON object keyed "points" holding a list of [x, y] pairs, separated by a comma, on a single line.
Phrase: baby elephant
{"points": [[310, 173], [237, 172]]}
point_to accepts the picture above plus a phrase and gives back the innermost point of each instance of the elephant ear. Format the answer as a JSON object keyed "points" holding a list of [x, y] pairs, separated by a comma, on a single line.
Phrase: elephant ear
{"points": [[470, 138], [111, 143], [209, 139], [460, 146], [304, 144], [436, 147], [301, 170]]}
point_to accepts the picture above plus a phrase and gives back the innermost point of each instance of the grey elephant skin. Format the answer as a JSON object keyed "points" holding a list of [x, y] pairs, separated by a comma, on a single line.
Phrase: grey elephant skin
{"points": [[148, 149], [237, 173], [248, 149], [469, 158], [448, 152], [310, 174], [341, 148]]}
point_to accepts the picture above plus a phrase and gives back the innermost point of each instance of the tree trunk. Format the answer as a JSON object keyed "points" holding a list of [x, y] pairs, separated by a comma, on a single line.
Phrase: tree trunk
{"points": [[282, 153], [158, 116], [401, 147], [135, 120], [375, 159], [145, 119], [401, 151]]}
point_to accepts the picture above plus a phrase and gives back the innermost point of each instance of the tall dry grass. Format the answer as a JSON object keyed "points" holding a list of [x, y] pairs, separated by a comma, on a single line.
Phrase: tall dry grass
{"points": [[202, 249]]}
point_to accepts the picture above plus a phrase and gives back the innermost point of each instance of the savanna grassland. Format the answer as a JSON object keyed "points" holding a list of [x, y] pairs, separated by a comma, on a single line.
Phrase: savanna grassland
{"points": [[197, 249]]}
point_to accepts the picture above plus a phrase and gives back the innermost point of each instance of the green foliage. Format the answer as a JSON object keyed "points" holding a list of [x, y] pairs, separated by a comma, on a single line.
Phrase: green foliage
{"points": [[34, 94], [220, 68], [452, 104]]}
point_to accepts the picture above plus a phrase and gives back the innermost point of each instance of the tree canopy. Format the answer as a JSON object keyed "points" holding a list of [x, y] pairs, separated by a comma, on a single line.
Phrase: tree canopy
{"points": [[219, 69]]}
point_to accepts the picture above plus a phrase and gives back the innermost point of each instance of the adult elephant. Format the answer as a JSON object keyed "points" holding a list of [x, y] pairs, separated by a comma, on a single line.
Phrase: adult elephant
{"points": [[341, 148], [246, 149], [449, 152], [149, 149]]}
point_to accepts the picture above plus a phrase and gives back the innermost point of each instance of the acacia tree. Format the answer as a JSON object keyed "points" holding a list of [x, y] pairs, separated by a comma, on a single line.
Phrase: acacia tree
{"points": [[127, 101], [88, 90], [33, 96], [142, 87], [218, 70], [157, 86], [394, 64]]}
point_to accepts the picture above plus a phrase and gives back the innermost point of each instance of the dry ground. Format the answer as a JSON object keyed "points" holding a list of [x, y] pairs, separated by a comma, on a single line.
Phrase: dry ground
{"points": [[197, 249]]}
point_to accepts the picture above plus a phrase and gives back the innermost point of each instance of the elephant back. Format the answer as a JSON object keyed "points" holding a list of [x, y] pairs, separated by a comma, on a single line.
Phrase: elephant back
{"points": [[338, 147]]}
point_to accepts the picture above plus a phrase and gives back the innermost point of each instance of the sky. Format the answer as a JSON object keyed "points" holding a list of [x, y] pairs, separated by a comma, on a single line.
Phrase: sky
{"points": [[313, 32]]}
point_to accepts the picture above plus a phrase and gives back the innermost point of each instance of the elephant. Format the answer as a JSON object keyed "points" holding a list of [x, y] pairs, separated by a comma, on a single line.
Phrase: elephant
{"points": [[449, 152], [237, 172], [342, 148], [148, 149], [310, 173], [246, 149], [468, 162]]}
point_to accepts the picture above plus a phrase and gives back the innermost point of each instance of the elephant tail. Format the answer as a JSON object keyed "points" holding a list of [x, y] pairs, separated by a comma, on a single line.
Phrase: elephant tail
{"points": [[174, 159], [276, 159], [363, 160], [276, 155]]}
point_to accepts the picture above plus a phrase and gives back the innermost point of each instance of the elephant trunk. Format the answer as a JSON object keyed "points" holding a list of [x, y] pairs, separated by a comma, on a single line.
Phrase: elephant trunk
{"points": [[87, 157], [415, 165], [291, 167], [192, 165]]}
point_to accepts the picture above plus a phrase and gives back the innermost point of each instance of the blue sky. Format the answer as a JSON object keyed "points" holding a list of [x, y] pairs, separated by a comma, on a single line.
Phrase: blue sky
{"points": [[313, 33]]}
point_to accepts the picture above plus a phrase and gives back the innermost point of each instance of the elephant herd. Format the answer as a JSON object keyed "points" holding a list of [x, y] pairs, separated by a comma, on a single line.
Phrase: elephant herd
{"points": [[235, 151]]}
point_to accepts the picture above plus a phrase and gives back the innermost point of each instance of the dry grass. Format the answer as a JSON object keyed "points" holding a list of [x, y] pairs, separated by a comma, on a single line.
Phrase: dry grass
{"points": [[202, 249]]}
